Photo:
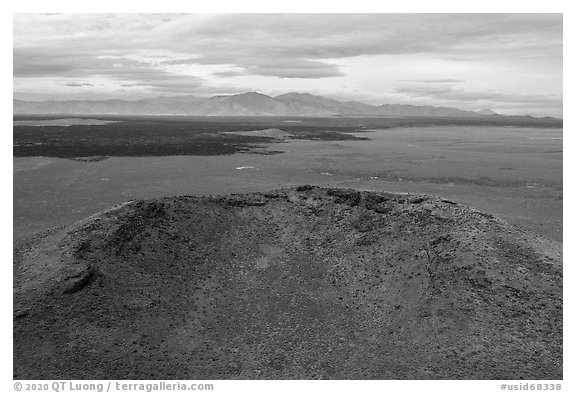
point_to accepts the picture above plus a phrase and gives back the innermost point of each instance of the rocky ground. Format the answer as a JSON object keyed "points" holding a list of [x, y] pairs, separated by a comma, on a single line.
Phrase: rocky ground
{"points": [[300, 283]]}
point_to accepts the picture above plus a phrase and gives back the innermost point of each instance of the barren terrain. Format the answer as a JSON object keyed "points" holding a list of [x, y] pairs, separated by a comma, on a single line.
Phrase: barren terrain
{"points": [[296, 283], [512, 172], [304, 282]]}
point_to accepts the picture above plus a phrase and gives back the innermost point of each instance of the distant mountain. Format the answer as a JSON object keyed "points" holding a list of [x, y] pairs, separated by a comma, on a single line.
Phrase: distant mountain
{"points": [[245, 104], [486, 112]]}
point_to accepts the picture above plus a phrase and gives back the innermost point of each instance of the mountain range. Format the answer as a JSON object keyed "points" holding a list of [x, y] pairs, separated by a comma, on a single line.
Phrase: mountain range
{"points": [[245, 104]]}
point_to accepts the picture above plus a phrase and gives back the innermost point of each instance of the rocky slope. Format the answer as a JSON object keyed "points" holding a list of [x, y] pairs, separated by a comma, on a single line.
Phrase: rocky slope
{"points": [[297, 283]]}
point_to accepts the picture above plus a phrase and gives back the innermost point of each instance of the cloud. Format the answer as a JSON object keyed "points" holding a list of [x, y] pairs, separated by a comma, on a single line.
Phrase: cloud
{"points": [[483, 97], [228, 74], [190, 53], [292, 68], [433, 80], [244, 39], [127, 71], [77, 84], [281, 67]]}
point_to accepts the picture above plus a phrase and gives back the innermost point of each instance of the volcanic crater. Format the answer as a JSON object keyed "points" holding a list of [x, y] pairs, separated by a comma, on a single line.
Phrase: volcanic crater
{"points": [[298, 283]]}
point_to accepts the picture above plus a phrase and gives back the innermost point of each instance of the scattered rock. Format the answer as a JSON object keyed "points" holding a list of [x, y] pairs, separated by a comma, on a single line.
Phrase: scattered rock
{"points": [[347, 196], [77, 279], [21, 313], [397, 286]]}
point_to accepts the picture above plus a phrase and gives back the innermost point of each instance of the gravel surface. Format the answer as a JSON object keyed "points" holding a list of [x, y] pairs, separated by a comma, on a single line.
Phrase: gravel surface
{"points": [[301, 283]]}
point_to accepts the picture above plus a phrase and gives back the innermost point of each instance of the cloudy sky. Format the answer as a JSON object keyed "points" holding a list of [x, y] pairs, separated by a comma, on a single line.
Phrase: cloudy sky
{"points": [[511, 63]]}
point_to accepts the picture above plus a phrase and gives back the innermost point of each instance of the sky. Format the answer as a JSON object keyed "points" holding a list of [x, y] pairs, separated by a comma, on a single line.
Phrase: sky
{"points": [[510, 63]]}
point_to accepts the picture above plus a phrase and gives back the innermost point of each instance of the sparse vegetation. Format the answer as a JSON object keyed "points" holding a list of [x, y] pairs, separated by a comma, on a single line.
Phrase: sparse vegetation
{"points": [[173, 135], [305, 283]]}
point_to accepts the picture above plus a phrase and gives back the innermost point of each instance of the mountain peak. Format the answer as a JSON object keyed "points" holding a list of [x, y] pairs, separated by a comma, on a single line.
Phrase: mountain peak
{"points": [[294, 94], [244, 104], [251, 94], [486, 112]]}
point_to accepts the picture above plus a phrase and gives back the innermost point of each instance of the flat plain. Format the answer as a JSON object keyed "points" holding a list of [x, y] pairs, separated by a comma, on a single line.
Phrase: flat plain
{"points": [[126, 267], [511, 167]]}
